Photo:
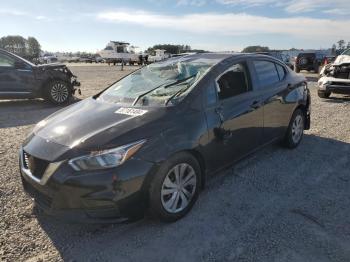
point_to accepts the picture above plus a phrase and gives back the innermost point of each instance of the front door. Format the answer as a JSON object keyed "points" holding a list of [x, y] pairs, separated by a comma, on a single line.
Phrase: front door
{"points": [[16, 77], [234, 116]]}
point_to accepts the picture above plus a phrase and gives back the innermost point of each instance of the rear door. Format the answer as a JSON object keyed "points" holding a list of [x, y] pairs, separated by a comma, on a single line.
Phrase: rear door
{"points": [[16, 77], [234, 116], [273, 87]]}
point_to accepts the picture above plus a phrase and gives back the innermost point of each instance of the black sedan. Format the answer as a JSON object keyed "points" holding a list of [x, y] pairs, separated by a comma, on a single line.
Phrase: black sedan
{"points": [[20, 78], [150, 140]]}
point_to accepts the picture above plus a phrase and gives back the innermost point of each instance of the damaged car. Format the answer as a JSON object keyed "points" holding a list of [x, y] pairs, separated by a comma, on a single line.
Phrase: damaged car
{"points": [[20, 79], [151, 140], [335, 77]]}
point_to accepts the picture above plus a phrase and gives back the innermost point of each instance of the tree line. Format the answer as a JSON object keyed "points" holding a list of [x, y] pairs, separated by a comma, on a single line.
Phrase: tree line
{"points": [[27, 48], [337, 48]]}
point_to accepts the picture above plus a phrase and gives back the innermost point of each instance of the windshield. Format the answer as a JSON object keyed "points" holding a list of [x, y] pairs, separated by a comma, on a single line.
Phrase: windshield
{"points": [[157, 83], [346, 52]]}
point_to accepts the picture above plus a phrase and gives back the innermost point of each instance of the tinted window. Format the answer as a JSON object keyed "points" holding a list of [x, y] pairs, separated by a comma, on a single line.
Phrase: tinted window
{"points": [[233, 82], [6, 61], [266, 72], [281, 71]]}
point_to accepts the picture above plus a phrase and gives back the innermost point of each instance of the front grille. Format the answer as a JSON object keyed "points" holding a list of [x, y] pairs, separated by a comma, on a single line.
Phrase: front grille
{"points": [[36, 166], [40, 198]]}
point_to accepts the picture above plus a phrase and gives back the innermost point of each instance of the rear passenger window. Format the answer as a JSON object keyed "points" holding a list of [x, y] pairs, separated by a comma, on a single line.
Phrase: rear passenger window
{"points": [[266, 72], [281, 71], [233, 82]]}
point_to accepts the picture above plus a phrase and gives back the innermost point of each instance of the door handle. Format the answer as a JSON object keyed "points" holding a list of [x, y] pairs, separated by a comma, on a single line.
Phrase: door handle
{"points": [[255, 105]]}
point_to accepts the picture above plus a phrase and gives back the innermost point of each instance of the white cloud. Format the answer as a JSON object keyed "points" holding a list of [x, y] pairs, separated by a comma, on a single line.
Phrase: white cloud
{"points": [[233, 24], [191, 2], [297, 6], [15, 12], [337, 11], [248, 3], [12, 12]]}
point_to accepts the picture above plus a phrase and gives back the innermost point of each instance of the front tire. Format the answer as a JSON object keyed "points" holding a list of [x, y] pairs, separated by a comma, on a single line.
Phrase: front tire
{"points": [[58, 92], [175, 187], [295, 129]]}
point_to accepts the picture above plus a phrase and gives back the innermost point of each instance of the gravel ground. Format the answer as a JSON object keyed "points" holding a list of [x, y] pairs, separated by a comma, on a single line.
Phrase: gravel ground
{"points": [[276, 205]]}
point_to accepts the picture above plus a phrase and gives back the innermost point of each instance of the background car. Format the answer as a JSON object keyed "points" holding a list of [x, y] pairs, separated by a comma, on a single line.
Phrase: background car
{"points": [[20, 78], [153, 138], [309, 61], [278, 55], [335, 76]]}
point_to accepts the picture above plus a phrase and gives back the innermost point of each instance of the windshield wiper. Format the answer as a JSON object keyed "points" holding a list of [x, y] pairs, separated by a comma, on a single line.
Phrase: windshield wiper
{"points": [[146, 93], [165, 86], [175, 95]]}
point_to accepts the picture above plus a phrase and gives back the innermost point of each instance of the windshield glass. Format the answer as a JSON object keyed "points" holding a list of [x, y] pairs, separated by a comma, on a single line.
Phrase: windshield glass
{"points": [[156, 83], [346, 52]]}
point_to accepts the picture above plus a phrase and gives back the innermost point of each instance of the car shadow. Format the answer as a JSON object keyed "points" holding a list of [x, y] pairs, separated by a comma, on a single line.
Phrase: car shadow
{"points": [[244, 181], [311, 78], [14, 113], [338, 99]]}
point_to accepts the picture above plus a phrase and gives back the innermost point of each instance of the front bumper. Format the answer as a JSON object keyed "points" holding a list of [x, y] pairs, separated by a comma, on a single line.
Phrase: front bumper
{"points": [[75, 85], [100, 196], [336, 88], [334, 85]]}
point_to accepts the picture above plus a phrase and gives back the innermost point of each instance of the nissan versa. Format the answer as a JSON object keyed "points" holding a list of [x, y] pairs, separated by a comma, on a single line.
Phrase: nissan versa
{"points": [[150, 140]]}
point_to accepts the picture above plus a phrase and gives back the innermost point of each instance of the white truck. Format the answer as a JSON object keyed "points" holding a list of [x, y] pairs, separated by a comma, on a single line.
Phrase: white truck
{"points": [[120, 52]]}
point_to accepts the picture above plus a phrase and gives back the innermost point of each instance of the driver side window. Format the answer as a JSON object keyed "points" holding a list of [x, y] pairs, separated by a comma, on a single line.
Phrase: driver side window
{"points": [[6, 61], [233, 82]]}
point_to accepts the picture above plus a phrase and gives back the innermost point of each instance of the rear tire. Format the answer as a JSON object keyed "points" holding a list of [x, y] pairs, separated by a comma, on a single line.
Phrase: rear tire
{"points": [[323, 94], [58, 92], [295, 130], [175, 187]]}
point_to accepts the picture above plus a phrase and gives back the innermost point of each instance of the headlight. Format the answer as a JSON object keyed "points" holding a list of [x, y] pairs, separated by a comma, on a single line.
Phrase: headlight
{"points": [[106, 158], [324, 82]]}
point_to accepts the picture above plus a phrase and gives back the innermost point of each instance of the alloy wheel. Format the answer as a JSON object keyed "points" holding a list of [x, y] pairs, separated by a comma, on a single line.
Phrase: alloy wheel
{"points": [[297, 128], [59, 92], [179, 187]]}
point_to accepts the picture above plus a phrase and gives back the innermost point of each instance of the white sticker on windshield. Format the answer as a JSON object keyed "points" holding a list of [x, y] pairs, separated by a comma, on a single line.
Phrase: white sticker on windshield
{"points": [[131, 111]]}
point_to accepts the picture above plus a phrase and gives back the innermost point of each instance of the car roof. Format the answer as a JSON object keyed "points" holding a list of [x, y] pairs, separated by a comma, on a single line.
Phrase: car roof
{"points": [[223, 56]]}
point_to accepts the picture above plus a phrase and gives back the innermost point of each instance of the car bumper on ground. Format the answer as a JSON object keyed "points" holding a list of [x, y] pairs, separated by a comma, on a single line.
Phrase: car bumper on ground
{"points": [[109, 195]]}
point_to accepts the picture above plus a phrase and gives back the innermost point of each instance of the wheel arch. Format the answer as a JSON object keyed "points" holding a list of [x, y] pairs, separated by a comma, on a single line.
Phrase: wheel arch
{"points": [[200, 159], [304, 109], [50, 79]]}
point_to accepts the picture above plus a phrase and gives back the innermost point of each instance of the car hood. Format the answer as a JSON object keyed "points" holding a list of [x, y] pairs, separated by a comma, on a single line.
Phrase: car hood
{"points": [[90, 124], [342, 59], [51, 66]]}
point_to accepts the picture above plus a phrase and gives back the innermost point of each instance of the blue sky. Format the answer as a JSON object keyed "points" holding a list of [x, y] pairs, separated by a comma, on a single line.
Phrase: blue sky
{"points": [[216, 25]]}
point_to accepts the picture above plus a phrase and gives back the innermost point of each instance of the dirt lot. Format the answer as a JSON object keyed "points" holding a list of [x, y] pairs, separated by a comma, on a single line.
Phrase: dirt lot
{"points": [[277, 205]]}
